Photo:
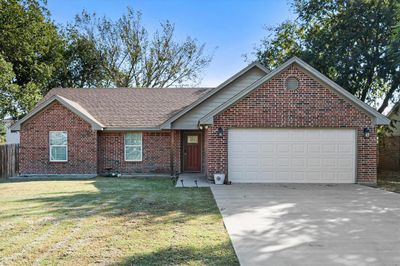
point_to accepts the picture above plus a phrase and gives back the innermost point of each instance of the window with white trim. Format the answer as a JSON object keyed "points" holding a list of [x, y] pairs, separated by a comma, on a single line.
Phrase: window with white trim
{"points": [[58, 141], [133, 147]]}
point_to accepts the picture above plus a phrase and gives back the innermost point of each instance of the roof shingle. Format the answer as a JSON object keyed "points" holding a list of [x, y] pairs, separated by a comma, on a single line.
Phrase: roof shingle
{"points": [[130, 107]]}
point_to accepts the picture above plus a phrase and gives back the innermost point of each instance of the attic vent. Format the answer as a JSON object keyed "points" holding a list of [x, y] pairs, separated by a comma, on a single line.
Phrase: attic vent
{"points": [[292, 83]]}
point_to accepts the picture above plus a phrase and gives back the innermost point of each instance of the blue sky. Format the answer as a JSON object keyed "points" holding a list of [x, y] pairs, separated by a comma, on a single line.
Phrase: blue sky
{"points": [[230, 29]]}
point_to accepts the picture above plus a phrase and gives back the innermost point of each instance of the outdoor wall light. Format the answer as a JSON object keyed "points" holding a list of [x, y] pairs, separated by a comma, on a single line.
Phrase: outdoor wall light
{"points": [[220, 132], [205, 127], [367, 132]]}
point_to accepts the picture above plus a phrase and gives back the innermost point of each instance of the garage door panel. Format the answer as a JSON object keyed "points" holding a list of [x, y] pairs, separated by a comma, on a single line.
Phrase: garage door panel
{"points": [[328, 148], [345, 148], [252, 163], [267, 163], [250, 148], [298, 135], [313, 134], [291, 155], [299, 176], [299, 163], [282, 136], [344, 164], [283, 162], [314, 148], [329, 163], [314, 176], [314, 163], [284, 176], [283, 148], [267, 147], [299, 148]]}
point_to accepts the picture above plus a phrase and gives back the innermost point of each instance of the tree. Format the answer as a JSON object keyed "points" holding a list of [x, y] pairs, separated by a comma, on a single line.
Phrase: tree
{"points": [[30, 50], [130, 58], [349, 41], [82, 66]]}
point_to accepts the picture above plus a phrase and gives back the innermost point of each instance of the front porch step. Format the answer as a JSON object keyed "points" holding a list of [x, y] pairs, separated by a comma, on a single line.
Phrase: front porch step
{"points": [[189, 180]]}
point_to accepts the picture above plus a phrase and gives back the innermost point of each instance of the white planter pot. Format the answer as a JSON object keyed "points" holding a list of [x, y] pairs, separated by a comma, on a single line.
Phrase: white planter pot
{"points": [[219, 179]]}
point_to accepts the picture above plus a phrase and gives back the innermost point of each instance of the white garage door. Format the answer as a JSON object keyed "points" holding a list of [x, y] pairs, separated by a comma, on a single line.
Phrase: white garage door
{"points": [[291, 155]]}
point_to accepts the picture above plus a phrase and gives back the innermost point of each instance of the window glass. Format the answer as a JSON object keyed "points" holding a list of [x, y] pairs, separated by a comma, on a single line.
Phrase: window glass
{"points": [[58, 138], [193, 139], [58, 153], [292, 83], [58, 141], [133, 146], [133, 139]]}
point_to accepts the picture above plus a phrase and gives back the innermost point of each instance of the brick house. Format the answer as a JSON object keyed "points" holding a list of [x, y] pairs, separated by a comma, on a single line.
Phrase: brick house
{"points": [[291, 124]]}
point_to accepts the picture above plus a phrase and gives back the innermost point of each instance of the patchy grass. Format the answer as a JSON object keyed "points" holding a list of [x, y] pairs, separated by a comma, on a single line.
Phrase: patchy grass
{"points": [[112, 222], [389, 180]]}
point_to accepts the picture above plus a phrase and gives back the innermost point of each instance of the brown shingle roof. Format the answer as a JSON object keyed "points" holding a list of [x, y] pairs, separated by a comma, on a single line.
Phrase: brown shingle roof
{"points": [[130, 107]]}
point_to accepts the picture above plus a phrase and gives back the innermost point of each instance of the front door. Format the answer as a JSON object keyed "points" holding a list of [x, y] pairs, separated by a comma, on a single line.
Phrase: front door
{"points": [[192, 152]]}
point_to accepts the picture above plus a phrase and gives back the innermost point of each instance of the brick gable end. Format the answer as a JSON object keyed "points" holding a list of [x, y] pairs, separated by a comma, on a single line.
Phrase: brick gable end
{"points": [[34, 143]]}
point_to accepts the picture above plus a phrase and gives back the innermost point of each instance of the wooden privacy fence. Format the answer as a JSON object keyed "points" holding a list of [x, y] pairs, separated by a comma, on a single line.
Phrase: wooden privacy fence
{"points": [[9, 160]]}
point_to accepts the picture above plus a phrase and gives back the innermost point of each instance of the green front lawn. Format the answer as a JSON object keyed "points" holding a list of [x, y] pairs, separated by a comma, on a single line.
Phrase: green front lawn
{"points": [[110, 221]]}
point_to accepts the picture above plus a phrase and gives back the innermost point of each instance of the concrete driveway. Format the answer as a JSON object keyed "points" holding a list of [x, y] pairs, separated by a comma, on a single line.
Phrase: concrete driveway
{"points": [[276, 224]]}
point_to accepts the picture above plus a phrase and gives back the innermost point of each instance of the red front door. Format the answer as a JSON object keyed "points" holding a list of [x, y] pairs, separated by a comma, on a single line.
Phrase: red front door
{"points": [[192, 152]]}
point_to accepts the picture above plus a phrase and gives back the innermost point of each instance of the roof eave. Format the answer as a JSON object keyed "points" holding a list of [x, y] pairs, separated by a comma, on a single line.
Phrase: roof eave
{"points": [[132, 129], [94, 123]]}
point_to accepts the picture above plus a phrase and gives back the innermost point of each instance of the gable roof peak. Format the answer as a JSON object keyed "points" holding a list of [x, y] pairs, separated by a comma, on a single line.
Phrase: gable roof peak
{"points": [[379, 118], [167, 123]]}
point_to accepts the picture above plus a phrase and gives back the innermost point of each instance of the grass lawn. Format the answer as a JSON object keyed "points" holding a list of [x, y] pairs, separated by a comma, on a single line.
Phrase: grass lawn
{"points": [[110, 222], [389, 180]]}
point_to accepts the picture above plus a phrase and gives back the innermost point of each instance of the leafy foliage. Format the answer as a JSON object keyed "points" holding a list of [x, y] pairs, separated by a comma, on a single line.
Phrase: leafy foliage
{"points": [[36, 56], [129, 57], [82, 64], [349, 41], [31, 50]]}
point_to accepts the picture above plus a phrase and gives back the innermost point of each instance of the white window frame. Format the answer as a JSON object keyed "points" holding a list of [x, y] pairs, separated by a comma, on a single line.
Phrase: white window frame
{"points": [[136, 145], [66, 147]]}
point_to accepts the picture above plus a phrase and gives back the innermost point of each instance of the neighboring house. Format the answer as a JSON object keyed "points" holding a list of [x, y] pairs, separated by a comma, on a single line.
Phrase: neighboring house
{"points": [[389, 144], [11, 137], [291, 124]]}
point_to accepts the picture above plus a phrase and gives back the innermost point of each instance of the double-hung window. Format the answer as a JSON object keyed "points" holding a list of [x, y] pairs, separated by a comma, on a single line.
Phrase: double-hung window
{"points": [[133, 147], [58, 141]]}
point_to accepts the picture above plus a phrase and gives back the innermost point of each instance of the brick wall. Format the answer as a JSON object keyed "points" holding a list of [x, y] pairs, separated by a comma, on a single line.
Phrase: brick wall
{"points": [[176, 143], [156, 152], [310, 106], [34, 143]]}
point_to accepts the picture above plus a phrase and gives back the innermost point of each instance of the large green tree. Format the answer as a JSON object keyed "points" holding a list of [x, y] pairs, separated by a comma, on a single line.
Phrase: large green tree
{"points": [[82, 64], [131, 57], [31, 45], [350, 41]]}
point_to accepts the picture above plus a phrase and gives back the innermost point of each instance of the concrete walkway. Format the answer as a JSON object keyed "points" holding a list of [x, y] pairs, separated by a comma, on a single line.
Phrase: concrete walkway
{"points": [[276, 224], [192, 180]]}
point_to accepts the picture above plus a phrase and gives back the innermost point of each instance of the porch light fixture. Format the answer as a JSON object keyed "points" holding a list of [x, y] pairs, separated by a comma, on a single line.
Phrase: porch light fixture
{"points": [[201, 127], [367, 132], [220, 132]]}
